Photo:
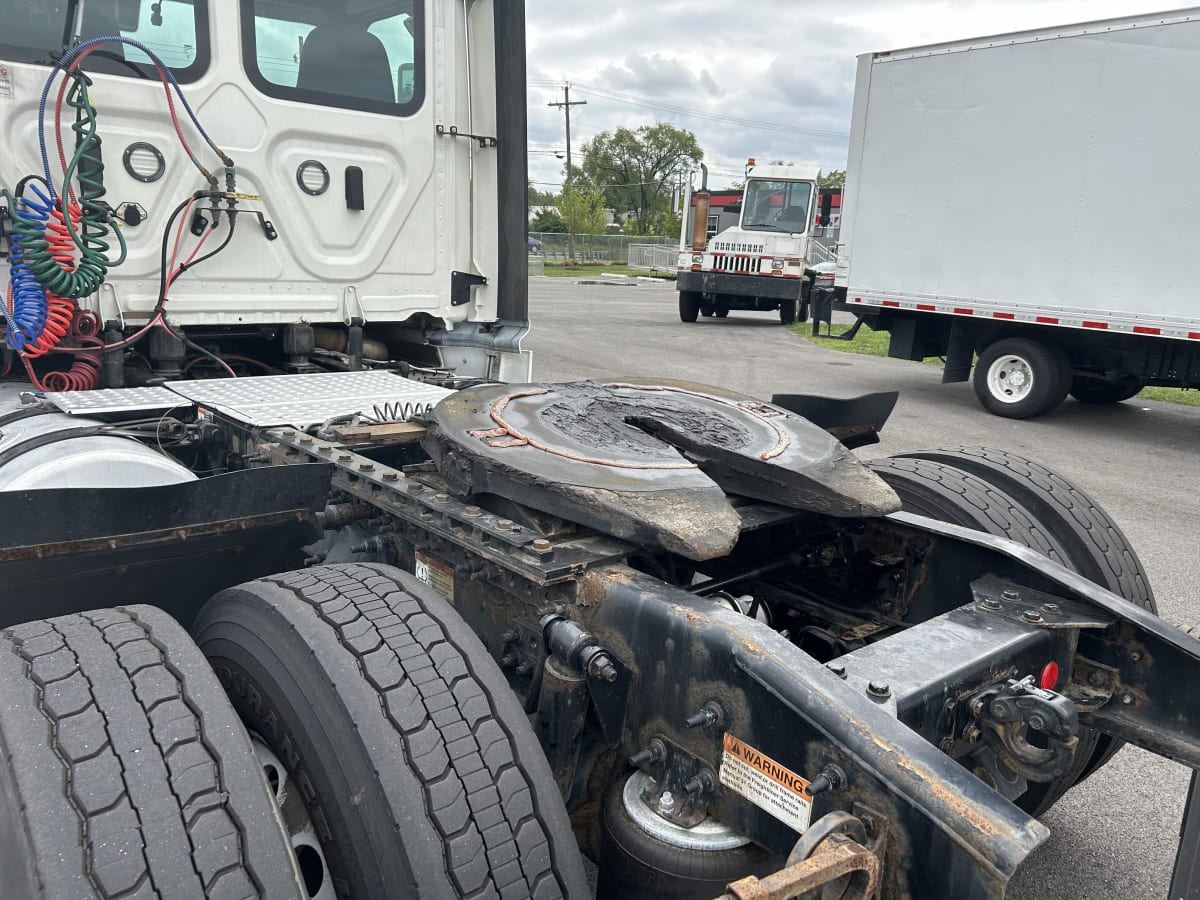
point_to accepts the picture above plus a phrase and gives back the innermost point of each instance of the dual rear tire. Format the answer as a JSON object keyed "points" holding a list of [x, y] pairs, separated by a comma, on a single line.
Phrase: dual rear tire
{"points": [[356, 740]]}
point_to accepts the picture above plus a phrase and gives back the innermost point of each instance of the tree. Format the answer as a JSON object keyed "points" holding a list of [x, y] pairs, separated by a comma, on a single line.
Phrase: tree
{"points": [[639, 170], [834, 179], [541, 198], [582, 208], [548, 221]]}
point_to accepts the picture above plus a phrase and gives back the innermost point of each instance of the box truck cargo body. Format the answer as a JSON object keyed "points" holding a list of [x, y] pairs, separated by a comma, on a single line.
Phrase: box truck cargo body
{"points": [[1032, 198]]}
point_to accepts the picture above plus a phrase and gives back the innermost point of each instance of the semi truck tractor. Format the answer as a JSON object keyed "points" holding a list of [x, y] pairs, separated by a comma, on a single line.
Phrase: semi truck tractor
{"points": [[380, 627], [764, 262], [1021, 202]]}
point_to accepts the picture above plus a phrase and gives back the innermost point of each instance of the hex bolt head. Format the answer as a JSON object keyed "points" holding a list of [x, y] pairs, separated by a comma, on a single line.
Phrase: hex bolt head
{"points": [[366, 467], [306, 440], [1010, 594], [541, 545], [1037, 723], [836, 668], [505, 524], [991, 603], [473, 512], [972, 734], [1051, 608], [879, 689], [391, 476], [324, 449], [1031, 615], [440, 498], [343, 457]]}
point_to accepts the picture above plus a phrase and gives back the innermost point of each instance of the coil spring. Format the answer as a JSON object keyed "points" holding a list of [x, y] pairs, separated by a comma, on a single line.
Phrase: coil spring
{"points": [[27, 304], [83, 375], [400, 410], [44, 236]]}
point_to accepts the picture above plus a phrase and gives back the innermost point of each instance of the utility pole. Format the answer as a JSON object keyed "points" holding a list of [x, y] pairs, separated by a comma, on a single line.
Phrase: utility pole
{"points": [[566, 105]]}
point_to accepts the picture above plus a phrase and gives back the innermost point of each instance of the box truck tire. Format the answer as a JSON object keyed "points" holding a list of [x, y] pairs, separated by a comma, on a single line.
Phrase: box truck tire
{"points": [[1019, 377], [689, 306], [789, 310], [1101, 393], [419, 771]]}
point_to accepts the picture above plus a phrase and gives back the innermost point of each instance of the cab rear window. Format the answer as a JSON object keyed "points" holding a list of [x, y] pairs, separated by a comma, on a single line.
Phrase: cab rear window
{"points": [[354, 54], [174, 30]]}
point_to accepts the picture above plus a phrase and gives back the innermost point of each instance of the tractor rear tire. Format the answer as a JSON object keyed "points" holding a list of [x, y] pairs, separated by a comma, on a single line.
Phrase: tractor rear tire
{"points": [[1090, 541], [125, 772], [422, 774], [942, 492]]}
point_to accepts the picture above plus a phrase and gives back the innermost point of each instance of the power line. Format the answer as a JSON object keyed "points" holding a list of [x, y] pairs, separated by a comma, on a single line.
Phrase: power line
{"points": [[633, 100]]}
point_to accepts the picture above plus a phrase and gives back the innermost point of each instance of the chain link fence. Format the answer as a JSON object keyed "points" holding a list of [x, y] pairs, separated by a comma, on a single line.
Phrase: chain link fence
{"points": [[595, 248]]}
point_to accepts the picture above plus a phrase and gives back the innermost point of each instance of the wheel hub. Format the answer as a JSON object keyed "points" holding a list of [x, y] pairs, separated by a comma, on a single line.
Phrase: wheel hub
{"points": [[297, 824], [1010, 379]]}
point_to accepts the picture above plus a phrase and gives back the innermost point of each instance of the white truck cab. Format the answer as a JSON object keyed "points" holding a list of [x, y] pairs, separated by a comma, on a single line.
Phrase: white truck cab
{"points": [[761, 263], [364, 192]]}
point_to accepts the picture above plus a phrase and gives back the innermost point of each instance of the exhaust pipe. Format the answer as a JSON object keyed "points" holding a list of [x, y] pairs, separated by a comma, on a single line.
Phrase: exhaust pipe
{"points": [[700, 222]]}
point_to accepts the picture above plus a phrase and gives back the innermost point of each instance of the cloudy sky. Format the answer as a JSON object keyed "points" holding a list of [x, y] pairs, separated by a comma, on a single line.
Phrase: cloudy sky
{"points": [[772, 79]]}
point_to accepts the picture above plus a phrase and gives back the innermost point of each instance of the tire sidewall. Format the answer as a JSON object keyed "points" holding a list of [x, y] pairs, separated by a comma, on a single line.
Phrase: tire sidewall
{"points": [[324, 760], [1049, 369]]}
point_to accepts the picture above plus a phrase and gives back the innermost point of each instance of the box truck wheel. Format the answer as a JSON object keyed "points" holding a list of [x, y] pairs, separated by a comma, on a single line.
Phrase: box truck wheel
{"points": [[1018, 378], [941, 491], [689, 306], [789, 310], [417, 766], [125, 772], [1100, 392], [706, 310]]}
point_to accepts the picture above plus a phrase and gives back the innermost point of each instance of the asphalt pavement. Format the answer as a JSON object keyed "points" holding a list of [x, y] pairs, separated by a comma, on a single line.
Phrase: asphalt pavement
{"points": [[1114, 836]]}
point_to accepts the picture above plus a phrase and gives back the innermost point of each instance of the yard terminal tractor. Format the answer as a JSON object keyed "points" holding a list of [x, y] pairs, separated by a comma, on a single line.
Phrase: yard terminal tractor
{"points": [[310, 591]]}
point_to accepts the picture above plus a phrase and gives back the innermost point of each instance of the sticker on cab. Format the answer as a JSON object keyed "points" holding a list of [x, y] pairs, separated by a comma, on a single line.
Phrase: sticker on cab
{"points": [[6, 85], [770, 786]]}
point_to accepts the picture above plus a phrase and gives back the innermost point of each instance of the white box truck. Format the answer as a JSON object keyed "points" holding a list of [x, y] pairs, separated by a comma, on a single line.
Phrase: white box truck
{"points": [[1031, 198]]}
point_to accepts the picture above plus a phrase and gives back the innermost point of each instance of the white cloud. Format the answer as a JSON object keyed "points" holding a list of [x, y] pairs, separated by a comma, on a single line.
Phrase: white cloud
{"points": [[788, 64]]}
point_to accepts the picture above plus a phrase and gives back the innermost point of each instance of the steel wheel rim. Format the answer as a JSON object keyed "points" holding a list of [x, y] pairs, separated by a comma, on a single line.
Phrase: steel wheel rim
{"points": [[1010, 379], [297, 824]]}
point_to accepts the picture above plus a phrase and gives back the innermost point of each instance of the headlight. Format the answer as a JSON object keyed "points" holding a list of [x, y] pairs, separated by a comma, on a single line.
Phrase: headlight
{"points": [[778, 263], [697, 258]]}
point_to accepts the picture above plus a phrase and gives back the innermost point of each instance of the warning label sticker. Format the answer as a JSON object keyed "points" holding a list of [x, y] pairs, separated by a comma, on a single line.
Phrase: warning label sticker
{"points": [[765, 783], [437, 575], [6, 87]]}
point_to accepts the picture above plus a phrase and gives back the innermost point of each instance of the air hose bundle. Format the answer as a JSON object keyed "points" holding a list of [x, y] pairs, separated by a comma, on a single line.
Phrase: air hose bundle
{"points": [[59, 246]]}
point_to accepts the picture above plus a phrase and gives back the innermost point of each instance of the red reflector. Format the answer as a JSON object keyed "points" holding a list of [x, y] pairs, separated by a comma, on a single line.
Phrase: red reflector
{"points": [[1103, 326], [926, 307], [963, 311], [1049, 677], [1047, 320], [1004, 315], [895, 303], [1142, 329], [1194, 335]]}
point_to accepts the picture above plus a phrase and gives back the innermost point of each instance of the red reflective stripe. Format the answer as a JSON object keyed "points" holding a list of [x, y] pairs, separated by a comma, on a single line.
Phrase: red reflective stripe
{"points": [[926, 307], [1047, 320], [1004, 315], [1143, 329], [1103, 326], [859, 300], [891, 303], [963, 311], [1194, 335]]}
